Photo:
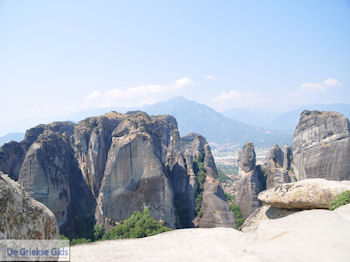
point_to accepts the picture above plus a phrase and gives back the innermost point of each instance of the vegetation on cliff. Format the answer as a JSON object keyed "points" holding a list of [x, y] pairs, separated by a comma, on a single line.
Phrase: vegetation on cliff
{"points": [[235, 210], [341, 200], [199, 170]]}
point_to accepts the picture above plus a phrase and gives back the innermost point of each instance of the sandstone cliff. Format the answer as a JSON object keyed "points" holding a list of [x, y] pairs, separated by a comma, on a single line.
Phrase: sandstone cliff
{"points": [[21, 216], [251, 181], [321, 146]]}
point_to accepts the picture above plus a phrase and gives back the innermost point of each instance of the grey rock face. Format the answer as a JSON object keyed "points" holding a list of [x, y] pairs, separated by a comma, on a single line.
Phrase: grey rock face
{"points": [[251, 181], [93, 138], [275, 171], [321, 146], [135, 176], [12, 154], [49, 173], [21, 216], [11, 158], [247, 158], [216, 211], [287, 157]]}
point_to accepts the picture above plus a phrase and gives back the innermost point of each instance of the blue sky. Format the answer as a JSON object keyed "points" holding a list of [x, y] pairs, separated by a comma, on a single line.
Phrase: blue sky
{"points": [[59, 57]]}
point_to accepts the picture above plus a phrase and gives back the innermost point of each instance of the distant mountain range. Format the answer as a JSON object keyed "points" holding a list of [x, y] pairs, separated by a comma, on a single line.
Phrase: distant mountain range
{"points": [[284, 122], [11, 137], [218, 129], [229, 129]]}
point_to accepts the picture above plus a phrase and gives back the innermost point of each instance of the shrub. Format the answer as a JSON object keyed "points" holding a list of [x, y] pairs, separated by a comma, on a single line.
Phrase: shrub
{"points": [[341, 200], [63, 237], [235, 210], [78, 241], [99, 231], [200, 213], [140, 224], [200, 171], [237, 214]]}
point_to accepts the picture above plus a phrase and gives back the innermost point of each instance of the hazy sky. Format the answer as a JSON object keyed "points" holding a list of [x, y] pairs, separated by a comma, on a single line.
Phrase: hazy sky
{"points": [[60, 57]]}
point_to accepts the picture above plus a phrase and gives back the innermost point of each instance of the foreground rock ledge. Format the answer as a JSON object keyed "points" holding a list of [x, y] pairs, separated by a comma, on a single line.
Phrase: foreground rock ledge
{"points": [[310, 235], [304, 194]]}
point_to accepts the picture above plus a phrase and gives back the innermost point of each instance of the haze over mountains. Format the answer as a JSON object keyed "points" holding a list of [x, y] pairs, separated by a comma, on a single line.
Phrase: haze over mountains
{"points": [[229, 129], [285, 121]]}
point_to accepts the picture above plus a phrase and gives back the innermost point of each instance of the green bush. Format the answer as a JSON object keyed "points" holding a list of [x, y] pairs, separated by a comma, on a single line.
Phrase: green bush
{"points": [[237, 214], [78, 241], [341, 200], [99, 231], [140, 224], [63, 237], [200, 213]]}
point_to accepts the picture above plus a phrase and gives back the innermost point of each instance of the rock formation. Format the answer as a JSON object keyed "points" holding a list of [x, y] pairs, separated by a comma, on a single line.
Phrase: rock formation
{"points": [[21, 216], [104, 168], [321, 146], [50, 174], [277, 164], [216, 211], [93, 138], [251, 181], [305, 194], [287, 157], [134, 176]]}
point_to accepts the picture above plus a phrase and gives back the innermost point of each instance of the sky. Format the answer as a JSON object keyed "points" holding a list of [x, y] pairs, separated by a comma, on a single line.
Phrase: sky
{"points": [[60, 57]]}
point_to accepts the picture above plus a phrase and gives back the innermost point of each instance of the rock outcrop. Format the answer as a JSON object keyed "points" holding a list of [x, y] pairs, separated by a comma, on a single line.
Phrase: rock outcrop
{"points": [[21, 216], [134, 176], [251, 181], [50, 174], [277, 166], [93, 138], [321, 146], [304, 194], [104, 168], [287, 157], [216, 211]]}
